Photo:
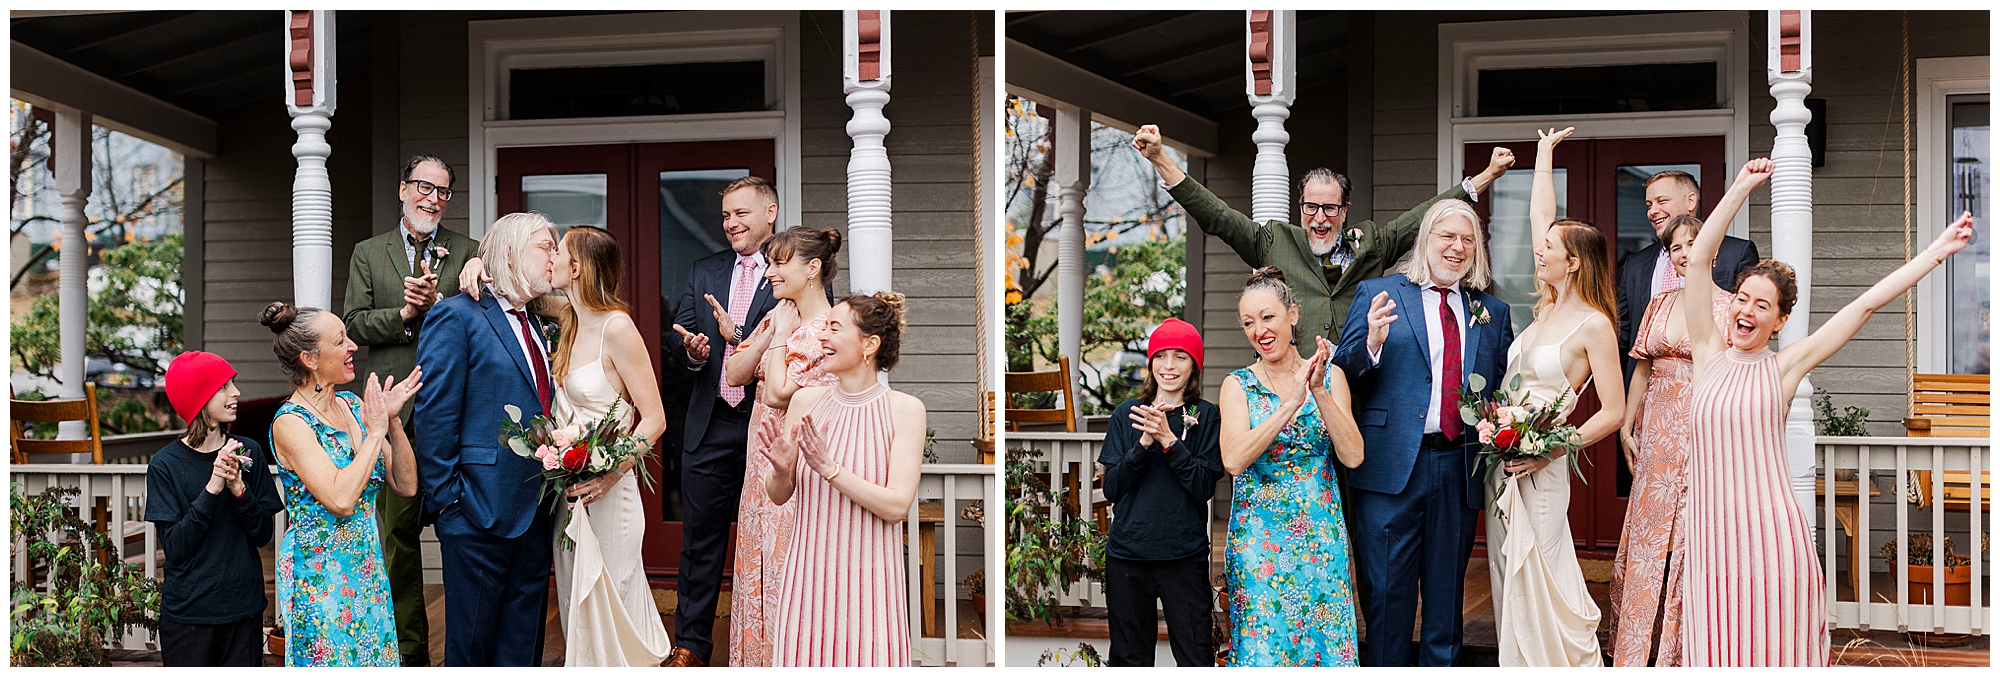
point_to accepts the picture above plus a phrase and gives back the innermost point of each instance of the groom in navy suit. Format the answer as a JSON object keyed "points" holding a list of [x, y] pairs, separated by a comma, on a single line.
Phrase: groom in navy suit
{"points": [[493, 533], [1417, 495]]}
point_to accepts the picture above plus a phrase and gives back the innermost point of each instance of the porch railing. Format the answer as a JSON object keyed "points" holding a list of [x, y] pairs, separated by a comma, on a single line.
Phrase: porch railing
{"points": [[1853, 471], [950, 487], [1890, 462]]}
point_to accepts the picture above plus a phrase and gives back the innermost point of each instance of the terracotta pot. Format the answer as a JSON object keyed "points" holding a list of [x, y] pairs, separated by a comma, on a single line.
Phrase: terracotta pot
{"points": [[274, 640], [1957, 585], [979, 602]]}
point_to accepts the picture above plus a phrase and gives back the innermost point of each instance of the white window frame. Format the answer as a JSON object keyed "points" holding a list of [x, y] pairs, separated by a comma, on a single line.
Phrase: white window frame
{"points": [[1465, 48], [1936, 80], [496, 46]]}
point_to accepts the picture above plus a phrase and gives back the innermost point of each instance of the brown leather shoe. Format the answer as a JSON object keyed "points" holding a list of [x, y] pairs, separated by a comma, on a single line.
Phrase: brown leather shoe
{"points": [[683, 658]]}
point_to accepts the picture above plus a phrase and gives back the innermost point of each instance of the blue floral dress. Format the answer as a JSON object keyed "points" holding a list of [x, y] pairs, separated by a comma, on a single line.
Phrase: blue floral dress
{"points": [[333, 593], [1291, 595]]}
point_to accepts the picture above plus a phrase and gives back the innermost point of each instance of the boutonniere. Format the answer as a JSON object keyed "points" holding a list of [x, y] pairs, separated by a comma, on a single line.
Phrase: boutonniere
{"points": [[439, 253], [1189, 417], [551, 332], [1479, 314], [1353, 238]]}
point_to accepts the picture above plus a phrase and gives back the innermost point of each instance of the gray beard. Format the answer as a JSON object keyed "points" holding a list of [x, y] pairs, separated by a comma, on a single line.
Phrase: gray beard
{"points": [[413, 219], [1321, 249]]}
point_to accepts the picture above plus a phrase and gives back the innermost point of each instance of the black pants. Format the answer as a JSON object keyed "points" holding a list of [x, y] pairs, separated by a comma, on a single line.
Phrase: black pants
{"points": [[226, 645], [1181, 586], [711, 486]]}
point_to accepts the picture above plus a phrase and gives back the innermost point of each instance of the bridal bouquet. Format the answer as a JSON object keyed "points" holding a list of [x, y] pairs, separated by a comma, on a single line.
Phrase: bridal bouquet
{"points": [[1518, 431], [574, 453]]}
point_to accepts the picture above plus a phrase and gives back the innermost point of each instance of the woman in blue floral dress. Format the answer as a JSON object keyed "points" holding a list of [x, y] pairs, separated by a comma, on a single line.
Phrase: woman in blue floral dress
{"points": [[333, 456], [1284, 419]]}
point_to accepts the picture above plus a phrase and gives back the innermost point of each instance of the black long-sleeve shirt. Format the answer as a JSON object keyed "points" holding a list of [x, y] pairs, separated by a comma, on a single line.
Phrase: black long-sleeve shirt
{"points": [[213, 572], [1160, 495]]}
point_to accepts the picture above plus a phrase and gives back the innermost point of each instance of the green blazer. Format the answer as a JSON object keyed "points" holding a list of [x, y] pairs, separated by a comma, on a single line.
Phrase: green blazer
{"points": [[1323, 295], [375, 297]]}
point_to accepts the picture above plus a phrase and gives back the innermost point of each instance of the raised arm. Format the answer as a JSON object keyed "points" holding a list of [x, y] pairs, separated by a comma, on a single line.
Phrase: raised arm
{"points": [[1209, 213], [1542, 198], [1705, 337], [1797, 359]]}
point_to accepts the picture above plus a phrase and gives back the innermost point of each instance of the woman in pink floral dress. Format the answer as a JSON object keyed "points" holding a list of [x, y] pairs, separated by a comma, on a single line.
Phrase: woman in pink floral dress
{"points": [[801, 263], [1645, 578]]}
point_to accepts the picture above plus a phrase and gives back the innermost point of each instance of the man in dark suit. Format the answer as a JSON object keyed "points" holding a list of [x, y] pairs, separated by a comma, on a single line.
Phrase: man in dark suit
{"points": [[1645, 273], [393, 280], [1408, 352], [493, 530], [726, 297]]}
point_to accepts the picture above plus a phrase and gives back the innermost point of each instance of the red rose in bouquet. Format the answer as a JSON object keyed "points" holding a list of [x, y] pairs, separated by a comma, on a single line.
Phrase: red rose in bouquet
{"points": [[1505, 439], [574, 459]]}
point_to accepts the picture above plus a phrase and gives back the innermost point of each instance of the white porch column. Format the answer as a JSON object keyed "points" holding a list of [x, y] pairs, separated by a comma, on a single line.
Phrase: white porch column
{"points": [[72, 148], [309, 97], [1072, 179], [1790, 77], [1269, 77], [865, 79]]}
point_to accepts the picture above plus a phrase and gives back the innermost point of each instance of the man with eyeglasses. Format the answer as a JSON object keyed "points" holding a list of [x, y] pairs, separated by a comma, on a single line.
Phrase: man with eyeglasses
{"points": [[1325, 259], [393, 279]]}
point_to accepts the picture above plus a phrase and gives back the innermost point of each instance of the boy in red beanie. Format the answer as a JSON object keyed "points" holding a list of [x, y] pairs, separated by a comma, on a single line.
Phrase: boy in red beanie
{"points": [[211, 498], [1162, 456]]}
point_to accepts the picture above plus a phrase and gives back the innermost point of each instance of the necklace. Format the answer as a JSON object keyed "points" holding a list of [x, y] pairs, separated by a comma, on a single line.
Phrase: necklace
{"points": [[307, 400]]}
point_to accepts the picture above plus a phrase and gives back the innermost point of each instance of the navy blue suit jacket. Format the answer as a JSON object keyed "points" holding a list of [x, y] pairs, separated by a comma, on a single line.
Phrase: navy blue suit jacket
{"points": [[714, 275], [473, 368], [1391, 399]]}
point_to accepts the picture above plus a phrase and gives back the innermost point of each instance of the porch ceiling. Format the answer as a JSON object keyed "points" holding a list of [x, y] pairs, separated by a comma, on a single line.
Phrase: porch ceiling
{"points": [[1193, 60], [203, 61]]}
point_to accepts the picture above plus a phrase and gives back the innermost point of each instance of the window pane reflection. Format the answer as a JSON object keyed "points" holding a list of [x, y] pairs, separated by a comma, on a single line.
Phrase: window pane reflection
{"points": [[1970, 271], [567, 199], [1512, 253]]}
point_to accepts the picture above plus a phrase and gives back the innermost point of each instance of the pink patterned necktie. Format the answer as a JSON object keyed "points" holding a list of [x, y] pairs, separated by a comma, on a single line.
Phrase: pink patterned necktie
{"points": [[1670, 279], [739, 312]]}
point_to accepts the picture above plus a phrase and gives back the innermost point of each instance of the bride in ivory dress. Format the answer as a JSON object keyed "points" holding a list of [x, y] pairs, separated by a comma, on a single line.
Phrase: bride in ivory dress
{"points": [[608, 614], [1544, 614]]}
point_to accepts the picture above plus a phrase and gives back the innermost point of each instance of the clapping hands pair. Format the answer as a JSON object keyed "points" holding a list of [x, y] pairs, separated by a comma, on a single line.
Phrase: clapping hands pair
{"points": [[804, 441], [382, 401]]}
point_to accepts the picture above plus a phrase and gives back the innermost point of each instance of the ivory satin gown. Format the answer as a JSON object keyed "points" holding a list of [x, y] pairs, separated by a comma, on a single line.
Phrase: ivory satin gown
{"points": [[1542, 610], [608, 615]]}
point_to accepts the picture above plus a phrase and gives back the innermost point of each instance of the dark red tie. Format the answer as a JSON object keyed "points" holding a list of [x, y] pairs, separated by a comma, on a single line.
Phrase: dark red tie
{"points": [[1454, 368], [542, 389]]}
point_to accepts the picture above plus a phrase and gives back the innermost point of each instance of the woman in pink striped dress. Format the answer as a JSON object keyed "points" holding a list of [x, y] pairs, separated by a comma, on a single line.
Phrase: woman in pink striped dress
{"points": [[844, 597], [1754, 592]]}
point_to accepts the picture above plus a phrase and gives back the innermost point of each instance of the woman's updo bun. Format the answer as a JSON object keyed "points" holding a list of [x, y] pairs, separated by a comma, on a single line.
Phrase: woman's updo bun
{"points": [[880, 314], [293, 325], [278, 316], [1272, 279]]}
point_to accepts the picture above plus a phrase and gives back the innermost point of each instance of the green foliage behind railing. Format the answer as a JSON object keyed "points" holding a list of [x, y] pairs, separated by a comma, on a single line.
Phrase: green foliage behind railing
{"points": [[91, 596], [1044, 556]]}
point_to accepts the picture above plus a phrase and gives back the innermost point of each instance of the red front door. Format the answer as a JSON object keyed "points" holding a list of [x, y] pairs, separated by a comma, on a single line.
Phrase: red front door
{"points": [[1601, 182], [663, 203]]}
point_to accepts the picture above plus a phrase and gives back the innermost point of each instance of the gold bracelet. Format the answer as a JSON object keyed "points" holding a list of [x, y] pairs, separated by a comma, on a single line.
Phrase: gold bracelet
{"points": [[836, 473]]}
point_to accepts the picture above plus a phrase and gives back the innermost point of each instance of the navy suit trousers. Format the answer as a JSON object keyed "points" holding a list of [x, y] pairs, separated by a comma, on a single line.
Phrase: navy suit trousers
{"points": [[497, 592], [1415, 545]]}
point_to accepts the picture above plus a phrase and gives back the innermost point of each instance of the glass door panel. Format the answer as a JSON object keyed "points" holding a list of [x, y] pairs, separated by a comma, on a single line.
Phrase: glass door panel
{"points": [[1635, 229], [1970, 291], [567, 199], [1511, 253]]}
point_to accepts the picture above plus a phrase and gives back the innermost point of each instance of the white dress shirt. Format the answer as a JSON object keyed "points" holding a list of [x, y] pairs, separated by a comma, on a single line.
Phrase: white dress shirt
{"points": [[1434, 332], [514, 330]]}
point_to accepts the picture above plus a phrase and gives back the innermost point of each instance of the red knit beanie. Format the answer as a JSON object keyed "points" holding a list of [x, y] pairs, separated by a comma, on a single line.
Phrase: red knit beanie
{"points": [[1175, 333], [192, 378]]}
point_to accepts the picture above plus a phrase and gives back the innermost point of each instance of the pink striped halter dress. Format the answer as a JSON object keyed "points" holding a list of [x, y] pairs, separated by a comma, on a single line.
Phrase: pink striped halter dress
{"points": [[845, 598], [1753, 589]]}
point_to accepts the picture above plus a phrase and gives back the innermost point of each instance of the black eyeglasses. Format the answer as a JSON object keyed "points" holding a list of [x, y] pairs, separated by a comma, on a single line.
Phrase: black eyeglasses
{"points": [[1312, 208], [426, 187]]}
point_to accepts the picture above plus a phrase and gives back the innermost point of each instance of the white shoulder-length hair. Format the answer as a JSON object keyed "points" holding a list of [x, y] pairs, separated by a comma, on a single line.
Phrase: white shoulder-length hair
{"points": [[501, 251], [1416, 265]]}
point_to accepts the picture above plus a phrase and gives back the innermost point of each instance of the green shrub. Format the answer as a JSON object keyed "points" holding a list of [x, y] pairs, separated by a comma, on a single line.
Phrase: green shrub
{"points": [[90, 600]]}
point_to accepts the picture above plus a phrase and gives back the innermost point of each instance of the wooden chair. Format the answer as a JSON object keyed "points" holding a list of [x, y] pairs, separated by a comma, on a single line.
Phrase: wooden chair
{"points": [[989, 410], [57, 411], [1951, 405], [1058, 381]]}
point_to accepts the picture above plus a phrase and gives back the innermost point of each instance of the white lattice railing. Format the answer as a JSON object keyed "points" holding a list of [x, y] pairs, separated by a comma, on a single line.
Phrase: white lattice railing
{"points": [[951, 487], [1873, 474]]}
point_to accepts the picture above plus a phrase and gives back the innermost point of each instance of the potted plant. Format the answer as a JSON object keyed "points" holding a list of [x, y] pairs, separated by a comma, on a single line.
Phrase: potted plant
{"points": [[975, 587], [87, 600], [1044, 556], [274, 640], [1923, 569]]}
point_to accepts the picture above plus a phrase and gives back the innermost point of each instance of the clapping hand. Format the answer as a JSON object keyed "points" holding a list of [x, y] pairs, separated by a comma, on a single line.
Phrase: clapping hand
{"points": [[695, 344], [374, 405], [784, 319], [394, 394], [776, 446], [1954, 238], [812, 447], [1151, 422], [722, 319], [1379, 319], [1316, 371], [227, 471]]}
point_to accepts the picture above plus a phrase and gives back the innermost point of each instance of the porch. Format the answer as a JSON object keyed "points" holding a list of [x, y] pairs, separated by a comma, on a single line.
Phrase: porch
{"points": [[1907, 625], [947, 627]]}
